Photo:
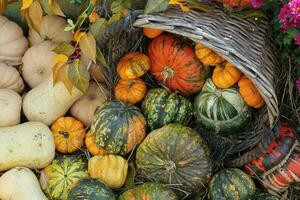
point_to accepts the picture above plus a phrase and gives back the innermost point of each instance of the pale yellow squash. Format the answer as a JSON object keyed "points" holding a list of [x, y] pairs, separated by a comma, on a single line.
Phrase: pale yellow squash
{"points": [[10, 78]]}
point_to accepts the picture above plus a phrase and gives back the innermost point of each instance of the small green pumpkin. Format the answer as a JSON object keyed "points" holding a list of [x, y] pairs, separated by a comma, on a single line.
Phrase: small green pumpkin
{"points": [[91, 189], [118, 127], [264, 196], [62, 174], [149, 191], [161, 107], [231, 184], [221, 110], [175, 155]]}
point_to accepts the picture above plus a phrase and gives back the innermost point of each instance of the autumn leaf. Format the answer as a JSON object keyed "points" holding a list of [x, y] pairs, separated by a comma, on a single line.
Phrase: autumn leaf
{"points": [[56, 9], [117, 17], [3, 6], [181, 3], [26, 4], [100, 58], [60, 58], [78, 35], [93, 17], [79, 75], [65, 49], [96, 27], [87, 45], [156, 6], [60, 74], [84, 15], [35, 14], [118, 5]]}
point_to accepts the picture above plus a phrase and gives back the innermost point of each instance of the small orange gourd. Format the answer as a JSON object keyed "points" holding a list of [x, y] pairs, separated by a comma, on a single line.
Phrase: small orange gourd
{"points": [[250, 93], [226, 75], [68, 134], [207, 56], [133, 65], [131, 91], [90, 143], [152, 33]]}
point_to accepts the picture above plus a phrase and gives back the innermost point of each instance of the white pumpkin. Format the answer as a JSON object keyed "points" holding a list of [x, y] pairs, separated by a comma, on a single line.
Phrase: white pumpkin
{"points": [[30, 144], [10, 107], [10, 78], [20, 183], [52, 28], [47, 102], [13, 44], [38, 62], [85, 107]]}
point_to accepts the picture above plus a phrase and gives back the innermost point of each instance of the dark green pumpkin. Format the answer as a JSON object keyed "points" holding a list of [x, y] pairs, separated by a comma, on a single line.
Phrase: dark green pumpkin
{"points": [[118, 127], [91, 189], [149, 191], [175, 155], [231, 184], [264, 196], [221, 110], [161, 107]]}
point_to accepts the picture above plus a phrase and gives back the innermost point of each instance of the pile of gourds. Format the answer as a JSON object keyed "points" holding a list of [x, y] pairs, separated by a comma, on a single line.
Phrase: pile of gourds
{"points": [[60, 131]]}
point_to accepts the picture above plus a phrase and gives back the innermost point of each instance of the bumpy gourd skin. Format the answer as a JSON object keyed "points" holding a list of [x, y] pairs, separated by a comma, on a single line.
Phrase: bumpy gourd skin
{"points": [[207, 56]]}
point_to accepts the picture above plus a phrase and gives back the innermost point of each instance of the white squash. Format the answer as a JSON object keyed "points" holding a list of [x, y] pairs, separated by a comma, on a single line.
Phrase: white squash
{"points": [[10, 78], [30, 144], [85, 107], [10, 107], [38, 62], [46, 103], [20, 183]]}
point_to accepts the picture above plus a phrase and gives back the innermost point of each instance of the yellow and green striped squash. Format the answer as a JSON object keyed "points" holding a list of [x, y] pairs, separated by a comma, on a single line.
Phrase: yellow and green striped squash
{"points": [[221, 110], [231, 184]]}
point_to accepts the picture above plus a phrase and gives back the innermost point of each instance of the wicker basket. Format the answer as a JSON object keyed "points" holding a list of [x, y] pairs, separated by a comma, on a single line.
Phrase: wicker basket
{"points": [[243, 42]]}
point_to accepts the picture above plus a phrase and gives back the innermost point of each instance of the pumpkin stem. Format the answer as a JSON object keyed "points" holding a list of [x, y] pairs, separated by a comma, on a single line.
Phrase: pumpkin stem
{"points": [[130, 84], [170, 167], [65, 134], [168, 72], [219, 93]]}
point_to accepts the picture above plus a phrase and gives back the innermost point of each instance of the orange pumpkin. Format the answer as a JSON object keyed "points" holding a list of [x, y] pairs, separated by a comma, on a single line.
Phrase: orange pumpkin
{"points": [[226, 75], [68, 134], [152, 33], [207, 56], [250, 93], [131, 91], [236, 3], [133, 65], [90, 143]]}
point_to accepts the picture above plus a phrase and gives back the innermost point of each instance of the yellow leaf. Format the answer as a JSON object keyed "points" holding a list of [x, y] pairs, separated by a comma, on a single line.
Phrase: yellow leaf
{"points": [[87, 45], [181, 3], [26, 4], [61, 58], [60, 73], [93, 17], [56, 9], [35, 13], [78, 35]]}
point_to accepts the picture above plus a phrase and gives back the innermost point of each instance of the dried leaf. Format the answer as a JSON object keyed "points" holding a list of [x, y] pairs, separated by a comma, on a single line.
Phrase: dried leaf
{"points": [[87, 45], [93, 17], [46, 5], [100, 58], [35, 13], [26, 4], [156, 6], [78, 35], [61, 58], [130, 176], [60, 73], [3, 6], [117, 17], [79, 75], [96, 28], [118, 5], [56, 9], [65, 49], [181, 3]]}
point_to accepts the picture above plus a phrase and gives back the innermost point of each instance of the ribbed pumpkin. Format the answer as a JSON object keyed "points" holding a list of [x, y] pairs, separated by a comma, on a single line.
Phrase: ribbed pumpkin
{"points": [[68, 134], [221, 110], [226, 75], [149, 191], [250, 93], [175, 64], [62, 175], [118, 127], [175, 155], [207, 56], [161, 107], [231, 183], [152, 33], [131, 91], [91, 189], [133, 65], [10, 78], [90, 143], [236, 3]]}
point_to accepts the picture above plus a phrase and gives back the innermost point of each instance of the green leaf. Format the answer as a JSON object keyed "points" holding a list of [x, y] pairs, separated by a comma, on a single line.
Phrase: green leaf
{"points": [[130, 176], [119, 5], [156, 6], [65, 48], [84, 15], [70, 26], [87, 45], [100, 58], [96, 28], [79, 75], [116, 17]]}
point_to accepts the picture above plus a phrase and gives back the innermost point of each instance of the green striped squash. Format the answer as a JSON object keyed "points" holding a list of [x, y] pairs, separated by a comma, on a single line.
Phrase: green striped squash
{"points": [[91, 189], [264, 196], [149, 191], [64, 172], [161, 107], [176, 155], [221, 110], [231, 184], [118, 127]]}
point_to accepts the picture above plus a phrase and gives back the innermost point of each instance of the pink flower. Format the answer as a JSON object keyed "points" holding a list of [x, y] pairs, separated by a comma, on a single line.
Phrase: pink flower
{"points": [[257, 3], [297, 39], [298, 84], [290, 15]]}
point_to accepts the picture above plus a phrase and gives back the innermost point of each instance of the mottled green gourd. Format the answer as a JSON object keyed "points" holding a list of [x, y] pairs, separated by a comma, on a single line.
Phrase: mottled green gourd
{"points": [[264, 196], [231, 184], [221, 110], [91, 189], [176, 155], [60, 177], [118, 127], [149, 191], [161, 107]]}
